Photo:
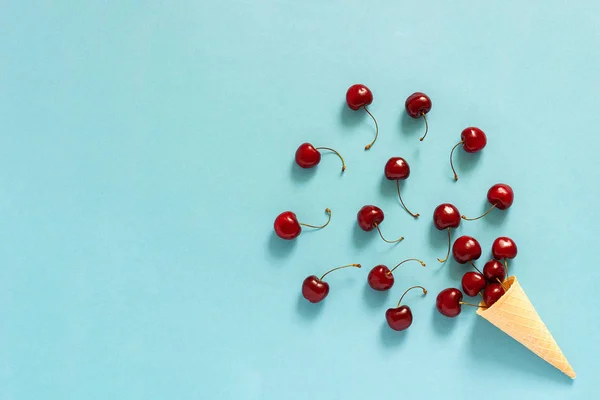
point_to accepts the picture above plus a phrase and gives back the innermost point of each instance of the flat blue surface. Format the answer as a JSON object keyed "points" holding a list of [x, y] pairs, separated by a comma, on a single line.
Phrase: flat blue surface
{"points": [[145, 150]]}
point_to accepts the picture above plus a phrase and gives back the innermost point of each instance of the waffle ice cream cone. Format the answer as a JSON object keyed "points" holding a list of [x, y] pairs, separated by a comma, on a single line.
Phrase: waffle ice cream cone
{"points": [[514, 315]]}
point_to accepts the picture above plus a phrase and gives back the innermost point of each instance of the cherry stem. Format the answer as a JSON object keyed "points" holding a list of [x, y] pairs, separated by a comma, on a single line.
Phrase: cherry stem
{"points": [[408, 290], [469, 304], [338, 154], [328, 211], [403, 205], [448, 253], [451, 163], [481, 216], [408, 259], [401, 238], [505, 270], [367, 147], [502, 284], [473, 264], [426, 126], [343, 266]]}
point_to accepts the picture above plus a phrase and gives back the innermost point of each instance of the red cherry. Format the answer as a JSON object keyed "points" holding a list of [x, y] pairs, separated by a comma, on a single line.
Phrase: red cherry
{"points": [[493, 271], [500, 195], [504, 247], [315, 289], [381, 278], [398, 169], [369, 218], [466, 249], [287, 226], [400, 318], [492, 293], [448, 302], [417, 105], [359, 96], [446, 216], [307, 156], [473, 140], [473, 283]]}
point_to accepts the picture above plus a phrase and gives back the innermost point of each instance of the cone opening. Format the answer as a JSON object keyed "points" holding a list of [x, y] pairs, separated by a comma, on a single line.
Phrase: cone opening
{"points": [[509, 282]]}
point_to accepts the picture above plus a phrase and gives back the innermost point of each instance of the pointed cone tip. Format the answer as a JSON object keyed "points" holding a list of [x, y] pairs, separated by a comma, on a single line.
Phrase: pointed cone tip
{"points": [[514, 315]]}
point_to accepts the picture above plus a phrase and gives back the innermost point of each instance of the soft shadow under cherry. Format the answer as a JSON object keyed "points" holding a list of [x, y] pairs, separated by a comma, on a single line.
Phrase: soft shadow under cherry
{"points": [[308, 310], [280, 248], [464, 163], [350, 117], [391, 338], [300, 174], [442, 325], [411, 126], [375, 298], [361, 238]]}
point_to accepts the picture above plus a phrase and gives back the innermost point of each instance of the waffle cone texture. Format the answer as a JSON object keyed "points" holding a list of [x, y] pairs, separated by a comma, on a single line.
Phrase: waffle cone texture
{"points": [[514, 315]]}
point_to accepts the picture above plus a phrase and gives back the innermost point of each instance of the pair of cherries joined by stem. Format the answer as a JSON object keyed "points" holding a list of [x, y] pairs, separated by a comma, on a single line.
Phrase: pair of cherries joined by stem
{"points": [[397, 169], [308, 156], [400, 317], [370, 217], [473, 140], [287, 227], [417, 105], [315, 289], [381, 278], [500, 196]]}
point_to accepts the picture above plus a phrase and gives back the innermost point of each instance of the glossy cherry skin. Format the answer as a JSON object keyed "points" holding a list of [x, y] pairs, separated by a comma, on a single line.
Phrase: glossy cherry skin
{"points": [[448, 302], [473, 139], [466, 249], [314, 289], [494, 271], [399, 318], [446, 216], [368, 217], [287, 226], [380, 278], [473, 283], [358, 96], [307, 156], [501, 195], [504, 247], [492, 293], [417, 104], [396, 168]]}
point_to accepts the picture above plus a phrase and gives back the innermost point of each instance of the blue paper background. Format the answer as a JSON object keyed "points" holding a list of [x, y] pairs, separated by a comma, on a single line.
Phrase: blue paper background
{"points": [[146, 148]]}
